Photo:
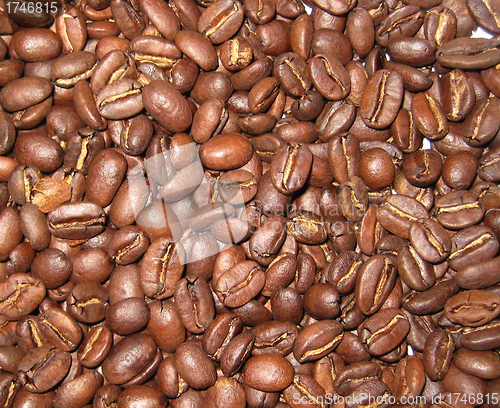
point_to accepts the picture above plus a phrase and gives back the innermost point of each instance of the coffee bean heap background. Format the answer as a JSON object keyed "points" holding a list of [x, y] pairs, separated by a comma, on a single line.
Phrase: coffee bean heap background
{"points": [[351, 153]]}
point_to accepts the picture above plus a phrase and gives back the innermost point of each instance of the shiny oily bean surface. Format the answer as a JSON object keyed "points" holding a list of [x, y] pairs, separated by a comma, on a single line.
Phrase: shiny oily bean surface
{"points": [[240, 203]]}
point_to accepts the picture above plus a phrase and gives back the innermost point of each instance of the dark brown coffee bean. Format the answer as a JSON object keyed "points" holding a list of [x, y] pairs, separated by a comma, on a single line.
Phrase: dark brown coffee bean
{"points": [[376, 169], [384, 331], [118, 370], [397, 213], [482, 364], [127, 316], [469, 53], [306, 227], [37, 44], [195, 303], [414, 271], [166, 104], [375, 281], [38, 150], [95, 346], [87, 302], [221, 20], [457, 108], [329, 77], [472, 308], [240, 284], [459, 209], [290, 168], [268, 372], [430, 117], [43, 368], [431, 300], [382, 99], [482, 124], [317, 340], [161, 267], [440, 25], [404, 21], [438, 353], [190, 355], [430, 240]]}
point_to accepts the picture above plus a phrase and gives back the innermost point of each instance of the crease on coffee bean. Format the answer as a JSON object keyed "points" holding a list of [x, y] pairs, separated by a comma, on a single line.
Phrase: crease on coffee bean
{"points": [[68, 82], [91, 342], [316, 352], [58, 334], [393, 322], [471, 245], [13, 297], [35, 334], [223, 18], [123, 251]]}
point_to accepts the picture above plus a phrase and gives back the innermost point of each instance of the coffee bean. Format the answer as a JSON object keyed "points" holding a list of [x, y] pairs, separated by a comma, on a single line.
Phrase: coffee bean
{"points": [[268, 372]]}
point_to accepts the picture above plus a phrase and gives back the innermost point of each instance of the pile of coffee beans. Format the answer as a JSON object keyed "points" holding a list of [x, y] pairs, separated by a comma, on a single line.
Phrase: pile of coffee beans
{"points": [[241, 203]]}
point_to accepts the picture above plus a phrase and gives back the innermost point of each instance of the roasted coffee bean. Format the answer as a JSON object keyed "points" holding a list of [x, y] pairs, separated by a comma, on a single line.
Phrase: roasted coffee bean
{"points": [[61, 329], [382, 99], [344, 157], [469, 53], [306, 227], [128, 316], [87, 302], [317, 340], [166, 104], [329, 77], [274, 337], [481, 125], [422, 168], [161, 268], [397, 213], [43, 368], [268, 372], [430, 117], [375, 281], [404, 21], [440, 25], [472, 308], [459, 170], [430, 240], [376, 169], [95, 346], [352, 197], [93, 264], [76, 220], [414, 271], [129, 243], [231, 203], [431, 300], [480, 364], [240, 284], [290, 168], [190, 355], [321, 301], [459, 209], [384, 331], [471, 246], [268, 239], [195, 304], [438, 353], [118, 370], [20, 295]]}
